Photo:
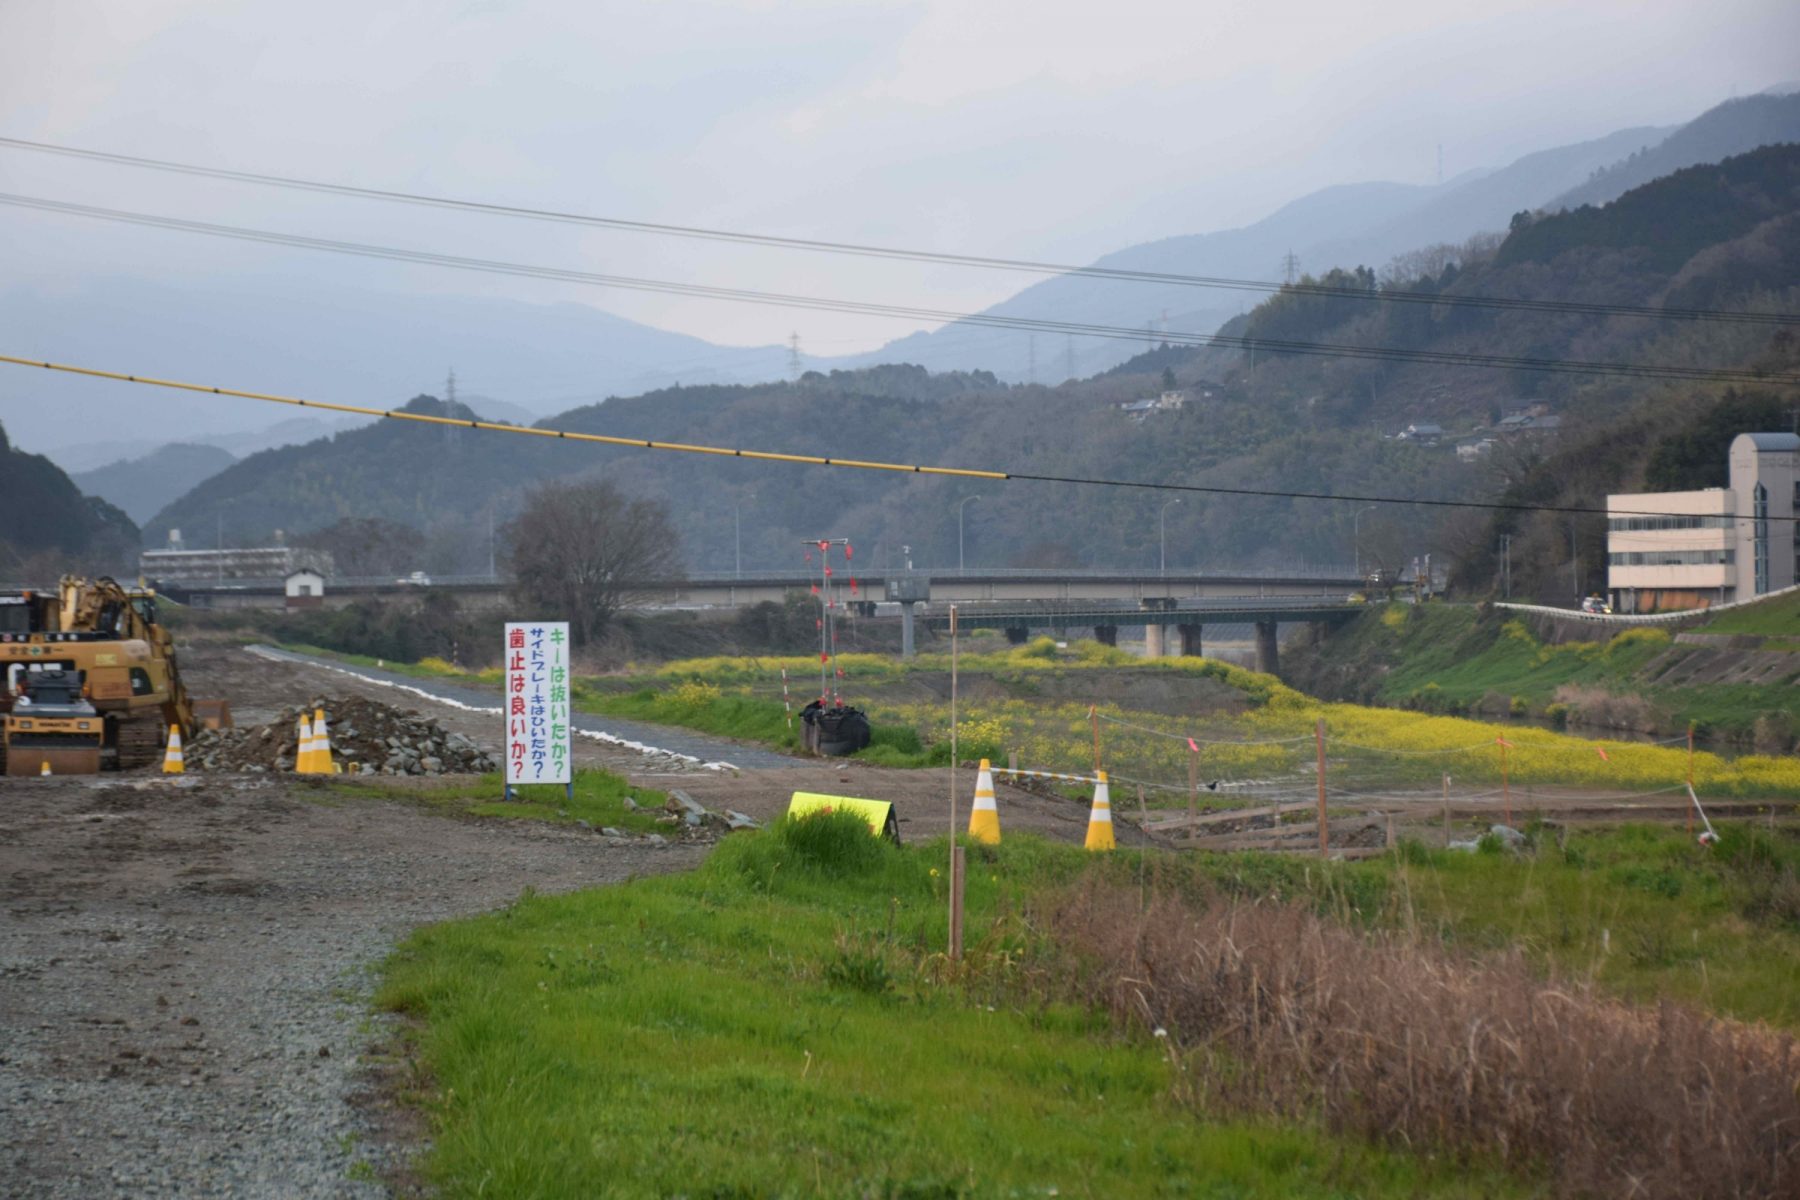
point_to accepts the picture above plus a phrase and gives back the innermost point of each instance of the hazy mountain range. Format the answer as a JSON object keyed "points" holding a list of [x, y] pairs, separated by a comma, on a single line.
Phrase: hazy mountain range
{"points": [[370, 348]]}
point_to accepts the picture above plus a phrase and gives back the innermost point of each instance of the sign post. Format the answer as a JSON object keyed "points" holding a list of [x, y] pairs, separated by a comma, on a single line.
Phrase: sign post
{"points": [[539, 737]]}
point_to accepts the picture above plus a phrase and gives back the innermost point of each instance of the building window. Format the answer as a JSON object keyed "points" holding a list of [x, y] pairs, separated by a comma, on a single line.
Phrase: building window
{"points": [[1760, 536], [1671, 558], [1639, 524]]}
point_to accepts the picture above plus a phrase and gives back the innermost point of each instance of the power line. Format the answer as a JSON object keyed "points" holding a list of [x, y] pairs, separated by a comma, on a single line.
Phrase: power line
{"points": [[892, 252], [906, 312], [817, 460]]}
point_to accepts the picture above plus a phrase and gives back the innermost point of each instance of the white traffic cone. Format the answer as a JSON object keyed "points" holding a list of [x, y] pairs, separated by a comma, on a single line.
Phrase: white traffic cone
{"points": [[1100, 825], [984, 818]]}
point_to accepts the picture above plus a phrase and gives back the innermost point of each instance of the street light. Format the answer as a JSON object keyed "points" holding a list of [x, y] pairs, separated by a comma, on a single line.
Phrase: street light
{"points": [[959, 530], [1356, 536], [1162, 537]]}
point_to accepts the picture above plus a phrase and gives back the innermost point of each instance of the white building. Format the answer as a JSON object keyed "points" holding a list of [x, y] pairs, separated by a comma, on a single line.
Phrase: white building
{"points": [[1673, 550]]}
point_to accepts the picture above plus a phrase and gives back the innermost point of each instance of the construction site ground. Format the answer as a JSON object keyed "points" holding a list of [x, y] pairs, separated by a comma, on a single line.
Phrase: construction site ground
{"points": [[185, 961]]}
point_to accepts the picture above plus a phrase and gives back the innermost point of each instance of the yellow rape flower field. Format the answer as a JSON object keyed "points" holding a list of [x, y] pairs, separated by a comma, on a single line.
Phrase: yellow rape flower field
{"points": [[1271, 741]]}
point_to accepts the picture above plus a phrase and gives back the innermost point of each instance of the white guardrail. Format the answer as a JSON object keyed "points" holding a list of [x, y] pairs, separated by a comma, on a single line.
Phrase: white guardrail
{"points": [[1661, 618]]}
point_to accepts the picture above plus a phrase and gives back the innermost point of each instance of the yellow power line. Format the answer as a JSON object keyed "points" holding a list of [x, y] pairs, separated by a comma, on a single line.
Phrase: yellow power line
{"points": [[496, 427]]}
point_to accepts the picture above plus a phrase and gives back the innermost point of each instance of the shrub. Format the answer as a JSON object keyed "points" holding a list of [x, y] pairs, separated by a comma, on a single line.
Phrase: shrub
{"points": [[831, 843], [1272, 1009]]}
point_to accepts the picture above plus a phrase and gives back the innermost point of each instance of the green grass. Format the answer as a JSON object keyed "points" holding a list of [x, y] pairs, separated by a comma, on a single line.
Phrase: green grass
{"points": [[1643, 911], [779, 1023], [1771, 618], [599, 799], [1452, 658]]}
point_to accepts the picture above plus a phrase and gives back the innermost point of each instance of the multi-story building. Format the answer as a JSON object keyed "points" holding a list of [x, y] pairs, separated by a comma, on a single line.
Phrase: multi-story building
{"points": [[1672, 550]]}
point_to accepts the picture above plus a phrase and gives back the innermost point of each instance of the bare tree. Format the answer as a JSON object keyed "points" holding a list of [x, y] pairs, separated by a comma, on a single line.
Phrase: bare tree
{"points": [[578, 549]]}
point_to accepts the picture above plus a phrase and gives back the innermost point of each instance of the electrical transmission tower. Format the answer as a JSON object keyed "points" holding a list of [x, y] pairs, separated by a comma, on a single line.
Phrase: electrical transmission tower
{"points": [[1290, 267], [450, 387], [794, 355]]}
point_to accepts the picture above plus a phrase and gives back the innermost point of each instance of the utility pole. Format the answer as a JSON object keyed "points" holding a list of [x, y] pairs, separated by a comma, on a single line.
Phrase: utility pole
{"points": [[960, 564], [1162, 538], [1506, 565], [1356, 537], [1574, 562]]}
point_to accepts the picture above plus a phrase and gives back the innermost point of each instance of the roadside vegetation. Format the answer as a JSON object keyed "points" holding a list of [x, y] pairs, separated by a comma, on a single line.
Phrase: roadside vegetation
{"points": [[784, 1021], [598, 798], [1459, 660]]}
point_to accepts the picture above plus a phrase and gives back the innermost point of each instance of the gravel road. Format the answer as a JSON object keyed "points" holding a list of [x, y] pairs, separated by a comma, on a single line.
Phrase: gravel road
{"points": [[185, 961]]}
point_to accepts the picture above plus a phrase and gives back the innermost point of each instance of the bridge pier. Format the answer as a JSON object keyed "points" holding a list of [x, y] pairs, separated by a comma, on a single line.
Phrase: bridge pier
{"points": [[1190, 640], [1268, 652], [1106, 635], [1016, 635], [1153, 641]]}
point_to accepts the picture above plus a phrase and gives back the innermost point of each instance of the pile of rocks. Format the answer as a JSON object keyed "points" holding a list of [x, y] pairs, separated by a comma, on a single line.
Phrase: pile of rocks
{"points": [[367, 738]]}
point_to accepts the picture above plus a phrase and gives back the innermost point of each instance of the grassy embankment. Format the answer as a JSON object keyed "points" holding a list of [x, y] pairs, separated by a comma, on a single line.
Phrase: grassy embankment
{"points": [[782, 1021], [1456, 659]]}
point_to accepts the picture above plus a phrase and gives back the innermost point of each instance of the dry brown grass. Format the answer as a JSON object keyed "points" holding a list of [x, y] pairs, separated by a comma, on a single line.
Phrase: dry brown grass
{"points": [[1269, 1008]]}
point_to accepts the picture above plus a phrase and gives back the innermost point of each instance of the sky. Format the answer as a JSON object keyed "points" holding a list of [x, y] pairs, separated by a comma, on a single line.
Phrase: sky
{"points": [[1045, 129]]}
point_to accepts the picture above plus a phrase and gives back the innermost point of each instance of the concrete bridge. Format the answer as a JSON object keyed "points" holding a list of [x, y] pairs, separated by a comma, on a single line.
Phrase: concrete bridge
{"points": [[1157, 614], [728, 589]]}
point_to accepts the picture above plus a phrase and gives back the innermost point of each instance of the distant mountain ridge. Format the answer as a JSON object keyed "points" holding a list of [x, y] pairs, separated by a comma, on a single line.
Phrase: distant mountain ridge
{"points": [[1344, 226], [1718, 234], [142, 486]]}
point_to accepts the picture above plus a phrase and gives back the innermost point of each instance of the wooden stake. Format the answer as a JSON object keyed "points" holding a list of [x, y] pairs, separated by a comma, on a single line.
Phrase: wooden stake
{"points": [[1690, 776], [1446, 809], [955, 850], [956, 902], [1505, 781], [1324, 829]]}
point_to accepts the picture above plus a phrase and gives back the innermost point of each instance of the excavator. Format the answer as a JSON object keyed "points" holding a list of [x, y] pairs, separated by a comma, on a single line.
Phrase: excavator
{"points": [[88, 681]]}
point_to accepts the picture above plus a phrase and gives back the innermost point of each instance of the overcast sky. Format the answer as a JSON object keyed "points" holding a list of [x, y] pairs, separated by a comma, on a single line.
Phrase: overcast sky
{"points": [[1032, 128]]}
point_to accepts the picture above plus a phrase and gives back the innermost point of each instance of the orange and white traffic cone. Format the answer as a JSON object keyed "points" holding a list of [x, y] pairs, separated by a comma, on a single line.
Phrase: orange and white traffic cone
{"points": [[984, 818], [1100, 830], [44, 769], [303, 747], [322, 764], [173, 762]]}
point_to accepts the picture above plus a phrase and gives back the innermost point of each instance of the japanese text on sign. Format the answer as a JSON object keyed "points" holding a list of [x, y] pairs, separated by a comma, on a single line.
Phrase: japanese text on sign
{"points": [[538, 738]]}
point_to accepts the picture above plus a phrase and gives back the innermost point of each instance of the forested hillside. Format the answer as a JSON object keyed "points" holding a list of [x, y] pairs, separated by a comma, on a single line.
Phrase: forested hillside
{"points": [[1726, 236], [47, 525]]}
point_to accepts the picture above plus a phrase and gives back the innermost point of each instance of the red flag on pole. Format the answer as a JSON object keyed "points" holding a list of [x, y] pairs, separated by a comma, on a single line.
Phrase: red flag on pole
{"points": [[1193, 745], [1601, 751], [849, 550]]}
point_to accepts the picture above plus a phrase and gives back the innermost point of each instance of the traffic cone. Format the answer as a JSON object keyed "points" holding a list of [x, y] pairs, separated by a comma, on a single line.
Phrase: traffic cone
{"points": [[173, 763], [322, 745], [303, 744], [45, 768], [984, 818], [1100, 831]]}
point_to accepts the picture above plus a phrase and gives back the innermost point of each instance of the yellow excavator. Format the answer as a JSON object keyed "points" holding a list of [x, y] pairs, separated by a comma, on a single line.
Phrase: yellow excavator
{"points": [[88, 680]]}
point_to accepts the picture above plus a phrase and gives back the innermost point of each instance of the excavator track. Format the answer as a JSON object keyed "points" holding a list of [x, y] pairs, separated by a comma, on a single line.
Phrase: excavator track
{"points": [[140, 741]]}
